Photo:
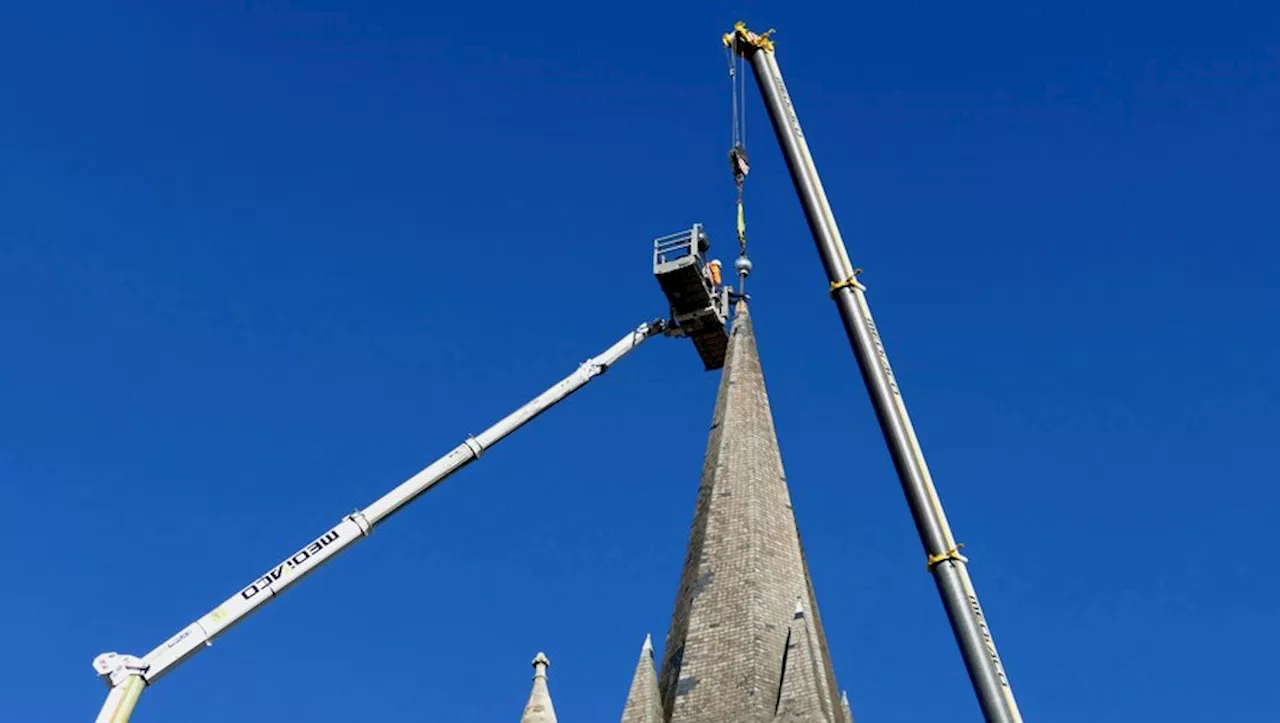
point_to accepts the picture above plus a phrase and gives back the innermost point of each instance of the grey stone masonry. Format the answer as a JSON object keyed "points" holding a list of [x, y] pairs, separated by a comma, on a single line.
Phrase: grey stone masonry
{"points": [[744, 569], [643, 702]]}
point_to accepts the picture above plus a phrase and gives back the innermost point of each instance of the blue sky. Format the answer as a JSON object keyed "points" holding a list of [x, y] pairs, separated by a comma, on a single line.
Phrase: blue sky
{"points": [[259, 262]]}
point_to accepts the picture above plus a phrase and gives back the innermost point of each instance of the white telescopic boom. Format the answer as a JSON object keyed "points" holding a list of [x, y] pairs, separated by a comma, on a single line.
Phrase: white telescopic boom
{"points": [[127, 675]]}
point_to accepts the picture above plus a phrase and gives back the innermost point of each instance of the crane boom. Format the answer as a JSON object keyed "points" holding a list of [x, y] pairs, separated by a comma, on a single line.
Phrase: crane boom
{"points": [[128, 675], [995, 695]]}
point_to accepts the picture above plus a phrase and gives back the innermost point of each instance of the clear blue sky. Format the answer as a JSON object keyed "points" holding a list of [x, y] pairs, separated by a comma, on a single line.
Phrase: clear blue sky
{"points": [[260, 262]]}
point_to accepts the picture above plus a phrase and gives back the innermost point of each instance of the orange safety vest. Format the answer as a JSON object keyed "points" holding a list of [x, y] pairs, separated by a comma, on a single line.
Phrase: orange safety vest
{"points": [[715, 272]]}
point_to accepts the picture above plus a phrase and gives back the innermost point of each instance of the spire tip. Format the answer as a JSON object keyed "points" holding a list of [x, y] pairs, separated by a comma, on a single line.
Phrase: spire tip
{"points": [[541, 663]]}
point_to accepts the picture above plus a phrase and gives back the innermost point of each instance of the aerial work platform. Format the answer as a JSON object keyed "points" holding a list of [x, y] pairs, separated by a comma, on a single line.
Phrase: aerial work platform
{"points": [[699, 302]]}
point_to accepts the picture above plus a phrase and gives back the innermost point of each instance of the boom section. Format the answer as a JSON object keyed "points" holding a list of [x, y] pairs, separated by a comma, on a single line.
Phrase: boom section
{"points": [[948, 566], [127, 675]]}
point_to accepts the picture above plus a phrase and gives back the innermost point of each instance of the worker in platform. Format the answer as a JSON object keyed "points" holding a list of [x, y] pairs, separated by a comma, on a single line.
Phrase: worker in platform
{"points": [[713, 272]]}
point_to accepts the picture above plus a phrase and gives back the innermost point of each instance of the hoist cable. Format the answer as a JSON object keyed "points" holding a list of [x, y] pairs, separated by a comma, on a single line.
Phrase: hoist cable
{"points": [[733, 88], [737, 81], [742, 80], [738, 151]]}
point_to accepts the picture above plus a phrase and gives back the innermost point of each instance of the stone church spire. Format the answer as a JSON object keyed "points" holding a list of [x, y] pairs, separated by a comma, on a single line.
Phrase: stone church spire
{"points": [[644, 705], [539, 708], [744, 571]]}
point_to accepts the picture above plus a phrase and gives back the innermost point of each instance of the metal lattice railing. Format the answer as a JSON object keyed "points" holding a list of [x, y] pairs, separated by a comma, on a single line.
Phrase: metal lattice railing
{"points": [[676, 246]]}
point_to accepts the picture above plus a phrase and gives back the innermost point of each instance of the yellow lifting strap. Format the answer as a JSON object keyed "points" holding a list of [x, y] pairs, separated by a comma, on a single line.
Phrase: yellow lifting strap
{"points": [[742, 224], [952, 554], [851, 282]]}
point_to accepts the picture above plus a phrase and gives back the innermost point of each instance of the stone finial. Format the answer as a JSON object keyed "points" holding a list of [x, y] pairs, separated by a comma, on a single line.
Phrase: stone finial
{"points": [[539, 708], [845, 710], [540, 664], [644, 702]]}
